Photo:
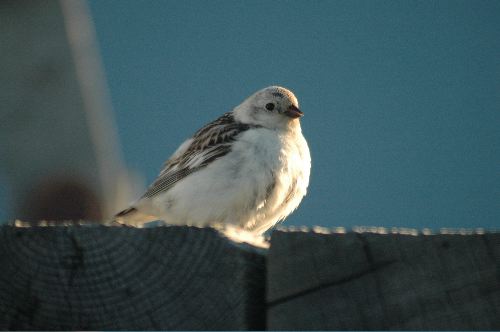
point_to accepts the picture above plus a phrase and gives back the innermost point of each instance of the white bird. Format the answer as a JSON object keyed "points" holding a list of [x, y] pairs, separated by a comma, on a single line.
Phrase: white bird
{"points": [[249, 168]]}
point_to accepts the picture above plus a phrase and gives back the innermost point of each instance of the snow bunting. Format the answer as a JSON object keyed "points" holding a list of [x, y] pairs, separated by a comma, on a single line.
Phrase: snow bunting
{"points": [[249, 168]]}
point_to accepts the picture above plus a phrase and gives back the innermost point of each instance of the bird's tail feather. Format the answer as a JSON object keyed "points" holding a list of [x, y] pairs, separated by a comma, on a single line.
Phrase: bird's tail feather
{"points": [[125, 212]]}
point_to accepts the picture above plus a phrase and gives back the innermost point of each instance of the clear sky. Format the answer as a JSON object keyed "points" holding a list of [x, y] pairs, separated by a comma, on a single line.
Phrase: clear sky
{"points": [[401, 98]]}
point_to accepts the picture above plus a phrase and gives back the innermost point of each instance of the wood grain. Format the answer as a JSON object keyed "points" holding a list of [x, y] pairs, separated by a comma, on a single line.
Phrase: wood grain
{"points": [[88, 277], [366, 281], [112, 278]]}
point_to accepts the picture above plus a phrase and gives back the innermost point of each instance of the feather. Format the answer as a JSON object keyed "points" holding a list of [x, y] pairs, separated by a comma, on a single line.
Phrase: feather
{"points": [[207, 145], [126, 212]]}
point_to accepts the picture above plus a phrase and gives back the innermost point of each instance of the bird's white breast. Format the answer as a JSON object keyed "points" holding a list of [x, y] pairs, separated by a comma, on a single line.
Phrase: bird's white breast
{"points": [[258, 183]]}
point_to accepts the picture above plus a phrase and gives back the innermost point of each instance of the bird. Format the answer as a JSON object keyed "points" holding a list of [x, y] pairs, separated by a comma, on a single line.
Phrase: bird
{"points": [[249, 168]]}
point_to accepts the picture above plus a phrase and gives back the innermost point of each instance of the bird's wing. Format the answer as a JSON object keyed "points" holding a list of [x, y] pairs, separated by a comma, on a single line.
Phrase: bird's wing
{"points": [[207, 145]]}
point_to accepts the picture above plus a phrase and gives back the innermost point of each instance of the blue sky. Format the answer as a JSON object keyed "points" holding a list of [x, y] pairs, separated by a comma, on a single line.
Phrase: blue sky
{"points": [[401, 98]]}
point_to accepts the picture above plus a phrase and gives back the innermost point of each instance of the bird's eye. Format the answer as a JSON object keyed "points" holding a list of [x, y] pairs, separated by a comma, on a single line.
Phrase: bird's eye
{"points": [[270, 106]]}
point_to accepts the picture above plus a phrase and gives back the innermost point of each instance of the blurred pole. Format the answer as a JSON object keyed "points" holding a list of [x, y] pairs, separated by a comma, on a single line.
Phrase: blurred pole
{"points": [[59, 150]]}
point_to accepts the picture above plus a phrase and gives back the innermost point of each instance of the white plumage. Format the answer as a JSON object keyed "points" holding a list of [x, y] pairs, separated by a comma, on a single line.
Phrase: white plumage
{"points": [[249, 168]]}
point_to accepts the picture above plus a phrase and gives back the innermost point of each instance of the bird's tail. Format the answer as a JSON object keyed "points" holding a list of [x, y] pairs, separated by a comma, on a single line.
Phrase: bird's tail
{"points": [[133, 217]]}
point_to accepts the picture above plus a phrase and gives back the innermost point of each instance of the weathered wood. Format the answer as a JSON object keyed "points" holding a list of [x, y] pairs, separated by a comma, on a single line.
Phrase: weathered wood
{"points": [[113, 278], [96, 278], [367, 281]]}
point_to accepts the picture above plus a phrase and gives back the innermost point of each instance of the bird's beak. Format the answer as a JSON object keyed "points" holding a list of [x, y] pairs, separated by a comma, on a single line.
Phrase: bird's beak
{"points": [[293, 112]]}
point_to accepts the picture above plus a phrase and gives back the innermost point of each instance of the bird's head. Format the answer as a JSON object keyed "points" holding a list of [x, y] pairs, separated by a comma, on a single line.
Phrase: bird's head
{"points": [[273, 107]]}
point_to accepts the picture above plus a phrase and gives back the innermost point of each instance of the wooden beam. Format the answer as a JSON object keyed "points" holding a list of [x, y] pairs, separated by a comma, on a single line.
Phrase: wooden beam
{"points": [[368, 281], [89, 277], [113, 278]]}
